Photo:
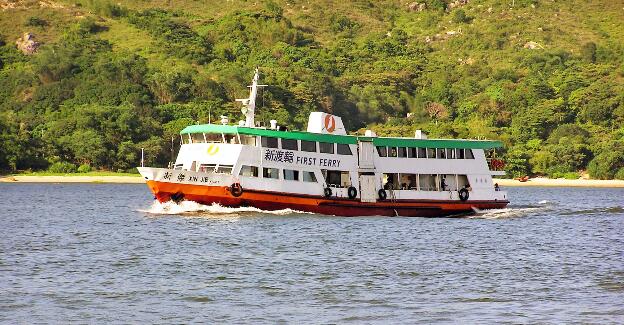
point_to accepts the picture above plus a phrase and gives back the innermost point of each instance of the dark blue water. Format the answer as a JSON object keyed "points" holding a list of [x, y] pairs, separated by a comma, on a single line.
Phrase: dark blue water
{"points": [[92, 254]]}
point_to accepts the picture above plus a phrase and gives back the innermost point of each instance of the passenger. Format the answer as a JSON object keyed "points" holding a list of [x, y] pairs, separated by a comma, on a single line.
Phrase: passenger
{"points": [[443, 184], [496, 188]]}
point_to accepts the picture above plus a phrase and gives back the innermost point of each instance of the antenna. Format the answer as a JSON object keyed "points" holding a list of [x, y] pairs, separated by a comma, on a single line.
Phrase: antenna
{"points": [[249, 104]]}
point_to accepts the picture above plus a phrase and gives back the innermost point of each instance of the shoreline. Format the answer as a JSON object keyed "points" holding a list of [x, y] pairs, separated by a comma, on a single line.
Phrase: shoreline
{"points": [[560, 182], [73, 179], [538, 181]]}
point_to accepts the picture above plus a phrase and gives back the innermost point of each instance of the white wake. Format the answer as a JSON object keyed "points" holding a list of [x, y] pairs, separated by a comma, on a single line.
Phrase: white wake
{"points": [[190, 207], [512, 212]]}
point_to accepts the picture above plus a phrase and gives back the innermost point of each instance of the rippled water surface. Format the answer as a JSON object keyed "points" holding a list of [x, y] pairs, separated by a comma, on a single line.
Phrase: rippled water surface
{"points": [[105, 253]]}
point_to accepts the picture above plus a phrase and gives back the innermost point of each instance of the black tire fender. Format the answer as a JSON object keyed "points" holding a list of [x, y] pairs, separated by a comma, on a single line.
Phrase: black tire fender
{"points": [[464, 194], [382, 194], [352, 192], [236, 189]]}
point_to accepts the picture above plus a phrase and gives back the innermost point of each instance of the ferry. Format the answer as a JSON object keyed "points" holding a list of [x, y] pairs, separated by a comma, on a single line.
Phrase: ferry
{"points": [[326, 171]]}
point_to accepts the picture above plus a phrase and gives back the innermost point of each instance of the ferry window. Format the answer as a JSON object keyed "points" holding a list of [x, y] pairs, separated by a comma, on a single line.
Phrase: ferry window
{"points": [[450, 153], [248, 140], [469, 154], [441, 153], [392, 152], [224, 169], [422, 152], [249, 171], [326, 147], [402, 152], [178, 166], [391, 181], [382, 151], [309, 177], [343, 149], [431, 153], [269, 142], [427, 182], [459, 153], [309, 146], [270, 173], [408, 181], [337, 178], [206, 168], [412, 152], [290, 144], [291, 175]]}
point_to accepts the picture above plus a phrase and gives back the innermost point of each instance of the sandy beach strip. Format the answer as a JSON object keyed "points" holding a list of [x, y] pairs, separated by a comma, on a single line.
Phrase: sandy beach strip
{"points": [[560, 182], [72, 179]]}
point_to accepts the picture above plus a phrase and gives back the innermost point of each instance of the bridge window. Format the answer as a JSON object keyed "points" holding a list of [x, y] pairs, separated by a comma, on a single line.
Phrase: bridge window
{"points": [[290, 144], [198, 138], [207, 168], [402, 152], [269, 142], [308, 146], [248, 140], [382, 151], [325, 147], [343, 149], [459, 153], [441, 153], [224, 169], [291, 175], [422, 152], [469, 154], [270, 173], [309, 177], [249, 171], [230, 138], [392, 151]]}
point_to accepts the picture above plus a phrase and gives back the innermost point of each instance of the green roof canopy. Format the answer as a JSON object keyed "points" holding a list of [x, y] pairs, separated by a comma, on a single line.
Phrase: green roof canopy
{"points": [[344, 139]]}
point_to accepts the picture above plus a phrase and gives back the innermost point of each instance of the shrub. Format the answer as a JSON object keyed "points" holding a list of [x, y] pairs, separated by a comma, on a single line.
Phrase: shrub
{"points": [[620, 174], [84, 168], [62, 167], [36, 22]]}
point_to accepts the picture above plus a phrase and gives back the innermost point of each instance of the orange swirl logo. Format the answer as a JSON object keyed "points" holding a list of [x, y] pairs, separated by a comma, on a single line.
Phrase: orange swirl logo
{"points": [[212, 150], [330, 123]]}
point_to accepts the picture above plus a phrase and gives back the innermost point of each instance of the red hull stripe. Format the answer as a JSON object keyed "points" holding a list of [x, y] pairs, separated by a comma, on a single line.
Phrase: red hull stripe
{"points": [[268, 200]]}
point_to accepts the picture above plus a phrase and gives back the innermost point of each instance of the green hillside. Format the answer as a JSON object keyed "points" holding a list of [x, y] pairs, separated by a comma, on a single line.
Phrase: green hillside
{"points": [[546, 77]]}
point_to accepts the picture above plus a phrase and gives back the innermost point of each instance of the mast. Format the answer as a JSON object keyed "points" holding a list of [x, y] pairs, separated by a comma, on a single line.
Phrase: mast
{"points": [[249, 104]]}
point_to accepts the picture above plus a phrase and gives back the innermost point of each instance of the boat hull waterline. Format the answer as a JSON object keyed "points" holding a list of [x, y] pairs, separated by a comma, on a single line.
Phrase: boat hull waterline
{"points": [[270, 201]]}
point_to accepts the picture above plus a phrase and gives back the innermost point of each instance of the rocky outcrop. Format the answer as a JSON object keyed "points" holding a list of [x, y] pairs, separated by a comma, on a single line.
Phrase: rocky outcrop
{"points": [[456, 4], [533, 46], [27, 44], [418, 7]]}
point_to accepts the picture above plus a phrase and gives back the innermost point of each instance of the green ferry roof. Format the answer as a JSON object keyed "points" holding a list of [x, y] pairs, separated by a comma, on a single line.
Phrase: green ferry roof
{"points": [[344, 139]]}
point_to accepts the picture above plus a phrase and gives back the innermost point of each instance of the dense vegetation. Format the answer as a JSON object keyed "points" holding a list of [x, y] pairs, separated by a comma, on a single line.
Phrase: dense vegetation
{"points": [[545, 77]]}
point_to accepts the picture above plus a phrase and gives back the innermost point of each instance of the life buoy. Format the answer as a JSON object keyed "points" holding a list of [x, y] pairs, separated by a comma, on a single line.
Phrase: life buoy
{"points": [[352, 192], [382, 194], [177, 197], [464, 194], [236, 189], [327, 192]]}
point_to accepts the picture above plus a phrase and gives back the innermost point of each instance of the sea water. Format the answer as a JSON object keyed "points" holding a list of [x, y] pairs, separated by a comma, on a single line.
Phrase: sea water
{"points": [[103, 253]]}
